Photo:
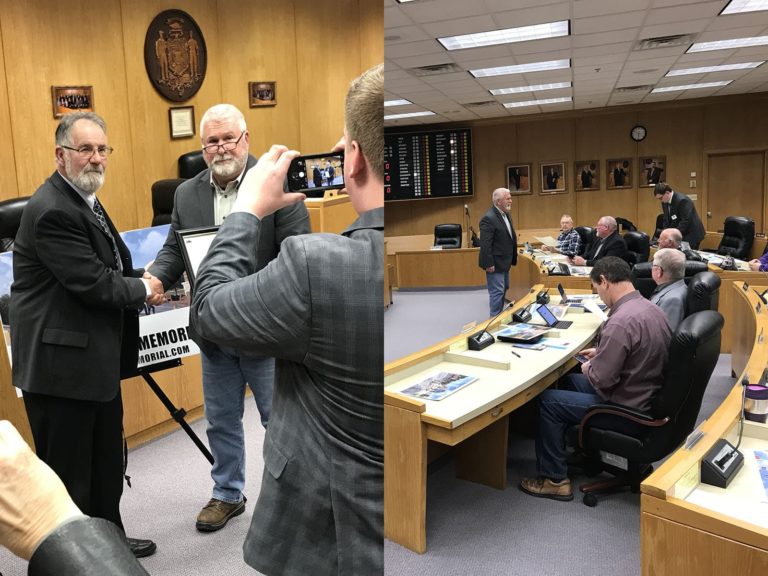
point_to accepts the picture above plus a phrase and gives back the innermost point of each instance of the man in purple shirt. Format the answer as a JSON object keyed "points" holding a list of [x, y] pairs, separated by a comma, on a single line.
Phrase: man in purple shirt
{"points": [[626, 367]]}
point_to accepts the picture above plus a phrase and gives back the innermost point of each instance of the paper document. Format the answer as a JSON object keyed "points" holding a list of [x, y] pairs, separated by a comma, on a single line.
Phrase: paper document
{"points": [[547, 241], [593, 307], [438, 386], [762, 467]]}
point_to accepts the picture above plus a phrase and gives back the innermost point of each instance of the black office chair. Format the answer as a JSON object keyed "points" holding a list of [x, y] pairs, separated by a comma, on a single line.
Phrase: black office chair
{"points": [[10, 218], [587, 234], [162, 200], [191, 164], [638, 246], [644, 283], [625, 442], [448, 235], [625, 225], [659, 228], [703, 293], [738, 236]]}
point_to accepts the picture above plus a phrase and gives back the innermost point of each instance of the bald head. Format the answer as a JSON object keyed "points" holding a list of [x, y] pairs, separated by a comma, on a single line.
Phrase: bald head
{"points": [[670, 238], [606, 226]]}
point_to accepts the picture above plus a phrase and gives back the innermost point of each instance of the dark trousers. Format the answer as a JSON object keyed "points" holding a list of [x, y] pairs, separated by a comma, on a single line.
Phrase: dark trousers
{"points": [[82, 441]]}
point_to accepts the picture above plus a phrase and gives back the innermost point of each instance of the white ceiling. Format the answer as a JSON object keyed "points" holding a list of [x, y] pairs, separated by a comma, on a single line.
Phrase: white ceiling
{"points": [[602, 47]]}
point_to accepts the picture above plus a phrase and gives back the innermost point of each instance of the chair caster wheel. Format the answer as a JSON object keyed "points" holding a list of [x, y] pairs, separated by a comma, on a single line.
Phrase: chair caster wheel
{"points": [[590, 500]]}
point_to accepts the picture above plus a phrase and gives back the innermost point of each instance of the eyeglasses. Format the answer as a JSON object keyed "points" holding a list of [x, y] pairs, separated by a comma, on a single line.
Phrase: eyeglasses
{"points": [[87, 151], [657, 266], [226, 146]]}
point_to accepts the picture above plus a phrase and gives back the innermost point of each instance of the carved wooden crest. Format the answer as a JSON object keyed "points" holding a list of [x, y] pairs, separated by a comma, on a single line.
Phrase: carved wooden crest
{"points": [[175, 55]]}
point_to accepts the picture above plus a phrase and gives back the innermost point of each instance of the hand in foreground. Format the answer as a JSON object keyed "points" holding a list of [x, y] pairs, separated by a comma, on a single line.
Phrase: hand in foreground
{"points": [[577, 260], [33, 501], [261, 191], [156, 286], [754, 265], [588, 352]]}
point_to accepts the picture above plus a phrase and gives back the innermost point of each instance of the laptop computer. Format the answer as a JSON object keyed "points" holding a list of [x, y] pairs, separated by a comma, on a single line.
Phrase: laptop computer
{"points": [[564, 296], [576, 301], [549, 318]]}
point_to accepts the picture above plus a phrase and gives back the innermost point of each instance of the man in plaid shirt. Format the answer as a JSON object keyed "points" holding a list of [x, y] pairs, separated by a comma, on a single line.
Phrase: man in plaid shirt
{"points": [[568, 241]]}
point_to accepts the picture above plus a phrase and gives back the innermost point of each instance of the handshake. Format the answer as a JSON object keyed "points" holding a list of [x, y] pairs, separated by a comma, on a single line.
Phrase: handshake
{"points": [[156, 286]]}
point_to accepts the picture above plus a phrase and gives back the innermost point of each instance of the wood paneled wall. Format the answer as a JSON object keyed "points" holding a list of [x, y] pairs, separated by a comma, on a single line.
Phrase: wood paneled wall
{"points": [[304, 45], [685, 132]]}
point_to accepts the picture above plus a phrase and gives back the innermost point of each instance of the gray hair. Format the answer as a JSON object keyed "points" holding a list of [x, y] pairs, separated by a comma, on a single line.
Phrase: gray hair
{"points": [[674, 235], [672, 262], [64, 129], [609, 221], [223, 112], [498, 193]]}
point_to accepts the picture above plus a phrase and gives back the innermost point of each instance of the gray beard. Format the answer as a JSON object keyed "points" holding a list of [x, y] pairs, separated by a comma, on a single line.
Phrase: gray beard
{"points": [[227, 169]]}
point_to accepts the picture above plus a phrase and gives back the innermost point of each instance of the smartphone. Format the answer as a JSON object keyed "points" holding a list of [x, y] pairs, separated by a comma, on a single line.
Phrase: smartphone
{"points": [[581, 358], [315, 173]]}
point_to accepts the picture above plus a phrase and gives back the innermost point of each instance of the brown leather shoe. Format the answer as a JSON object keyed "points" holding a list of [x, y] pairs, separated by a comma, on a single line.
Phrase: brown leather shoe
{"points": [[215, 515], [545, 488]]}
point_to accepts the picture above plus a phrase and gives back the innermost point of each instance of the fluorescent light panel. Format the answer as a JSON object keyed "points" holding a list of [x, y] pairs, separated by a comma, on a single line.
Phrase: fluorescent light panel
{"points": [[521, 68], [740, 6], [507, 36], [535, 88], [721, 68], [728, 44], [400, 102], [691, 86], [537, 102], [408, 115]]}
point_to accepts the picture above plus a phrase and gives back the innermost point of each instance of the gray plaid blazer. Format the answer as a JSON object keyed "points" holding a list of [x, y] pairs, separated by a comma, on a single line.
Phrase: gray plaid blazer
{"points": [[316, 309]]}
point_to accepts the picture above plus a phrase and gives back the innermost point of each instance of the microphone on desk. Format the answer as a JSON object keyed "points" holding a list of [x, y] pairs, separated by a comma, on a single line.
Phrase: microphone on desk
{"points": [[720, 465], [483, 338]]}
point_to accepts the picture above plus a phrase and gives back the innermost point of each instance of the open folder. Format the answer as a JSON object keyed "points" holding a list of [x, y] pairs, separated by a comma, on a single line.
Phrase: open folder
{"points": [[547, 241]]}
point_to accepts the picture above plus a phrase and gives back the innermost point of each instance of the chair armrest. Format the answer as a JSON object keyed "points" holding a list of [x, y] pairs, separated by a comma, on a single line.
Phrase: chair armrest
{"points": [[620, 412]]}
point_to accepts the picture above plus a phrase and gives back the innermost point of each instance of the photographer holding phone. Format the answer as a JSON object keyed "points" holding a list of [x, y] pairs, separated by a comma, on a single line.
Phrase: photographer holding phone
{"points": [[206, 200]]}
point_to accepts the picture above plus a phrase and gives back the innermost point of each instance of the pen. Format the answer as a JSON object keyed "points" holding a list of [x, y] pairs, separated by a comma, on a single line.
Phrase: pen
{"points": [[515, 353]]}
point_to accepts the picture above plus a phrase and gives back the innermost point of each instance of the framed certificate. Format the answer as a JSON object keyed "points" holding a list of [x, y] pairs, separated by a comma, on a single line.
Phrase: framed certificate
{"points": [[182, 122], [194, 244]]}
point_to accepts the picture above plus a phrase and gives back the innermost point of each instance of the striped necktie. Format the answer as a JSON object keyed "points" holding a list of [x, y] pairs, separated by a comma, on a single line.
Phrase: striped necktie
{"points": [[99, 212]]}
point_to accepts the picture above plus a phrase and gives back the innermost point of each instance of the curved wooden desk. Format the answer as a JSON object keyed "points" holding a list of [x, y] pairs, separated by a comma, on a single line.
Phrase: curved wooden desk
{"points": [[690, 529], [473, 419]]}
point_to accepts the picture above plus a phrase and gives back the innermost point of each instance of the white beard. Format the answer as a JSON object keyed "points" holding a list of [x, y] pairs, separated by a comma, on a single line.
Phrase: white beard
{"points": [[227, 166], [89, 180]]}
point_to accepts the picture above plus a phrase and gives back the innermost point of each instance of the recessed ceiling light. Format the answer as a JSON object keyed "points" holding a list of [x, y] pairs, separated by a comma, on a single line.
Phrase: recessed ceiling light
{"points": [[537, 102], [721, 68], [519, 89], [691, 86], [408, 115], [521, 68], [728, 44], [404, 1], [507, 36], [739, 6], [396, 102]]}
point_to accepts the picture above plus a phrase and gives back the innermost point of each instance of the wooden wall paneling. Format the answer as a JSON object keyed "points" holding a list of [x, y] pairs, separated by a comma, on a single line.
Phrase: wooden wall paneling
{"points": [[328, 58], [371, 28], [736, 185], [265, 49], [155, 153], [9, 187]]}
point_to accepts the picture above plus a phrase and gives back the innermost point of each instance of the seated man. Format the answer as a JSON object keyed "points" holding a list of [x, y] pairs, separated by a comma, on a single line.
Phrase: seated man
{"points": [[607, 242], [568, 241], [668, 272], [760, 264], [670, 238], [627, 368]]}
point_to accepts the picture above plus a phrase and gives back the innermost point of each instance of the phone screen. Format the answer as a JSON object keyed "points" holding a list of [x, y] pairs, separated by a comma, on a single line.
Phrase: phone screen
{"points": [[581, 358], [316, 172]]}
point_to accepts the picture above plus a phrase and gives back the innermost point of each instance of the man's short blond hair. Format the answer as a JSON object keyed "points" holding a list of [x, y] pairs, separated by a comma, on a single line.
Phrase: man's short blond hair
{"points": [[364, 116]]}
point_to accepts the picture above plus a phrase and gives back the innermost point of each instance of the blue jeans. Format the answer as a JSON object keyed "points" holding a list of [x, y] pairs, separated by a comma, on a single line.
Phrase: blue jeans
{"points": [[498, 283], [225, 375], [558, 411]]}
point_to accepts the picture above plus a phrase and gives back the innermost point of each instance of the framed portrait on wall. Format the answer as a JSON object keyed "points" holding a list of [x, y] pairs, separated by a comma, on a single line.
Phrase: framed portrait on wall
{"points": [[553, 178], [618, 173], [519, 179], [262, 94], [586, 175], [653, 170], [66, 99]]}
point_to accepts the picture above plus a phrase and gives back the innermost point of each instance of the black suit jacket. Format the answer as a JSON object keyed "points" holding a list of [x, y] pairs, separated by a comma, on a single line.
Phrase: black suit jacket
{"points": [[68, 300], [680, 213], [613, 245], [497, 247]]}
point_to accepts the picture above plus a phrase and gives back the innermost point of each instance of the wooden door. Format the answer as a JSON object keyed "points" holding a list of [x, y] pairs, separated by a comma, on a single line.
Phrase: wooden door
{"points": [[734, 188]]}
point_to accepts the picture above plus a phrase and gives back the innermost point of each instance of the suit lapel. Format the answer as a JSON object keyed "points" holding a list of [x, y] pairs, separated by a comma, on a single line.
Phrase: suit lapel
{"points": [[501, 217]]}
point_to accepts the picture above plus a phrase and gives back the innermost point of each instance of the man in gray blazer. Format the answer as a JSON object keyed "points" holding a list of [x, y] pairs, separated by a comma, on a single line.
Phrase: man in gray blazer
{"points": [[317, 309], [206, 200], [74, 322], [671, 293]]}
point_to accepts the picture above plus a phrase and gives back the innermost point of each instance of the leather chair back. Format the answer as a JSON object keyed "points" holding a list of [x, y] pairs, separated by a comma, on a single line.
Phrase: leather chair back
{"points": [[587, 234], [703, 293], [191, 164], [738, 236], [448, 235], [659, 228], [625, 225], [644, 283], [163, 192], [10, 218], [638, 246]]}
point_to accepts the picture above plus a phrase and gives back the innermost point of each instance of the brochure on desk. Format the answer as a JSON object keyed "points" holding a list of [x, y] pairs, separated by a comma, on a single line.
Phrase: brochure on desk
{"points": [[163, 329], [438, 386]]}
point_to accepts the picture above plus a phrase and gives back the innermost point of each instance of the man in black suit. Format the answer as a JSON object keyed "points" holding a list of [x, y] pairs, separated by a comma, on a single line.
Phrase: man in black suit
{"points": [[654, 173], [680, 213], [498, 248], [607, 242], [552, 178], [74, 322]]}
